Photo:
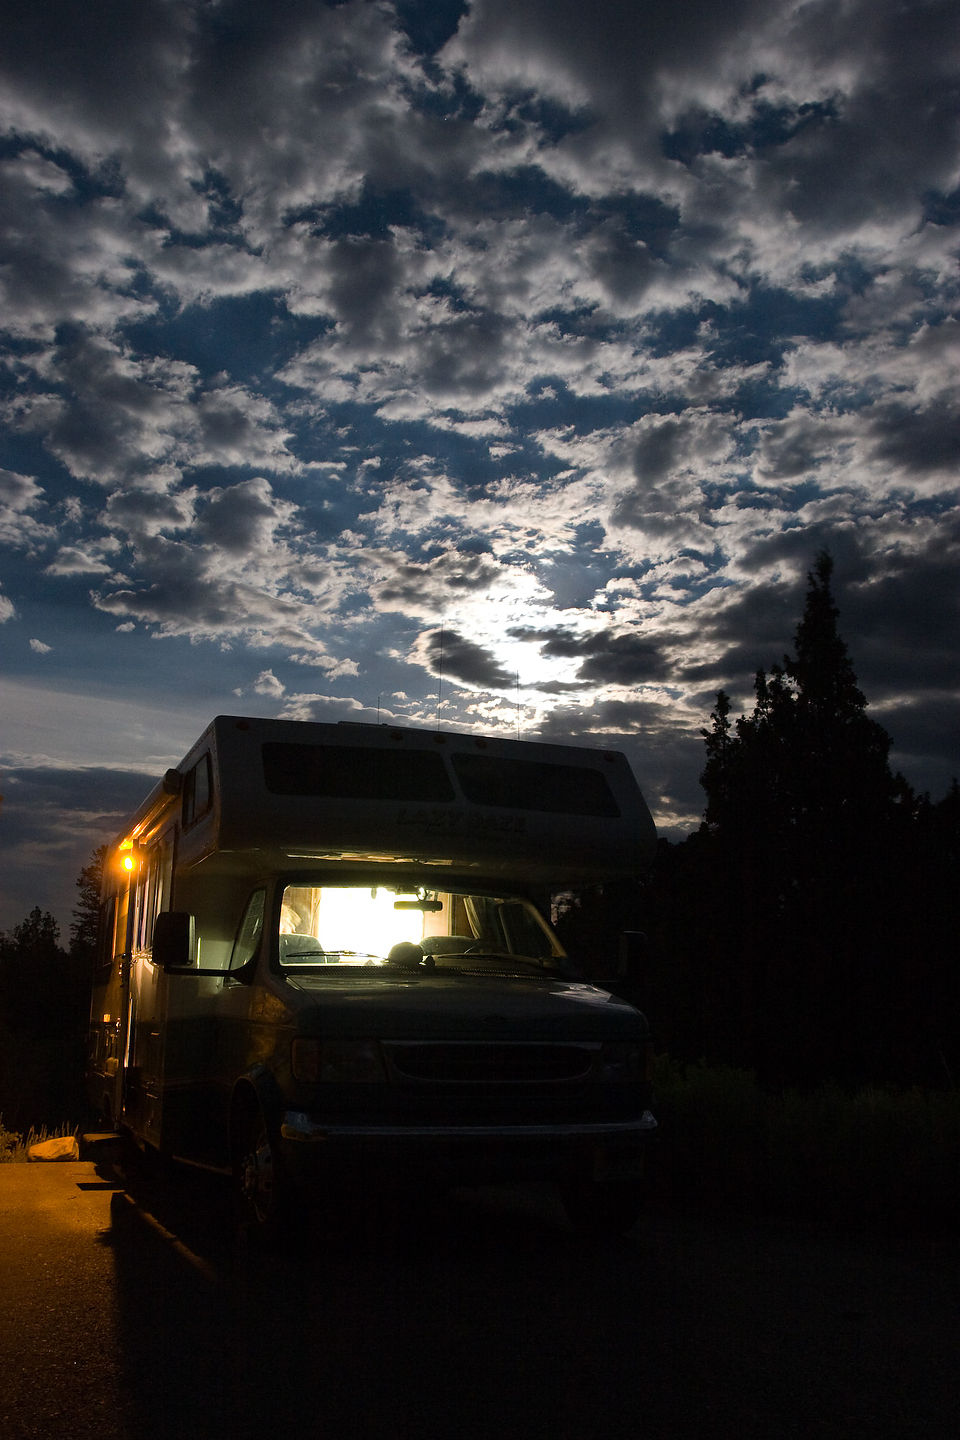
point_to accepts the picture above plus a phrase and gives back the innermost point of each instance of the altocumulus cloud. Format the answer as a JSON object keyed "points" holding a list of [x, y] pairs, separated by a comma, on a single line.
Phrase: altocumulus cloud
{"points": [[562, 335]]}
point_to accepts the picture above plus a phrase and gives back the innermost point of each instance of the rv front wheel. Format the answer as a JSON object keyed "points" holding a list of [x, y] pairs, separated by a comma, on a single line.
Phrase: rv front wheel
{"points": [[257, 1176]]}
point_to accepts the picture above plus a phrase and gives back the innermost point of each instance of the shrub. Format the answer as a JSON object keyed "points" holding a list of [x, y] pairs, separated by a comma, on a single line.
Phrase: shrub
{"points": [[9, 1140], [873, 1155]]}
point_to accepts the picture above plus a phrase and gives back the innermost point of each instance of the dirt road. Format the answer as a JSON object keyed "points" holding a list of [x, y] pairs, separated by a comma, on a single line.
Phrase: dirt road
{"points": [[133, 1312]]}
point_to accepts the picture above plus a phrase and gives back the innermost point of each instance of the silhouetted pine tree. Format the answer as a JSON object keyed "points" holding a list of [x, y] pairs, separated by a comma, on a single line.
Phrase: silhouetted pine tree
{"points": [[30, 960], [44, 1010], [808, 928], [86, 912], [806, 825]]}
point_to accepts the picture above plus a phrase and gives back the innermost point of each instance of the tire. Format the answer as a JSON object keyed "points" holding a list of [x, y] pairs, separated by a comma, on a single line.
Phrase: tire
{"points": [[260, 1189], [598, 1207]]}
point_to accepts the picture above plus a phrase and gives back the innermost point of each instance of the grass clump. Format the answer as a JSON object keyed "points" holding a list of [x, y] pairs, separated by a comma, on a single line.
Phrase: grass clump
{"points": [[873, 1155], [15, 1146]]}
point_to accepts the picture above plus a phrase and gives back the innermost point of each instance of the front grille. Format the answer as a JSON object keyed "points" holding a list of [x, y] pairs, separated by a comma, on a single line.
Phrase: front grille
{"points": [[475, 1063]]}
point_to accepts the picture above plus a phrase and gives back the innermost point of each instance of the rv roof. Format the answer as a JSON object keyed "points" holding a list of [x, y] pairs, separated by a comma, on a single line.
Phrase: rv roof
{"points": [[535, 809]]}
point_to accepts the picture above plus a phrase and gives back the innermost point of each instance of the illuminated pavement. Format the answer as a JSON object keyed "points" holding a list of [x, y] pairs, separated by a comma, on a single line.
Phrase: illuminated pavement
{"points": [[59, 1357]]}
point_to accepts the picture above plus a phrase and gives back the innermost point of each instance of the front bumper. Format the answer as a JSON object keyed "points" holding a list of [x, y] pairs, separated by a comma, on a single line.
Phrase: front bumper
{"points": [[471, 1153]]}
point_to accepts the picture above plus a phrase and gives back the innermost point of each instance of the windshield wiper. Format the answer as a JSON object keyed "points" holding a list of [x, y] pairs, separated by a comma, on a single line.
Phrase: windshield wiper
{"points": [[502, 957], [367, 957]]}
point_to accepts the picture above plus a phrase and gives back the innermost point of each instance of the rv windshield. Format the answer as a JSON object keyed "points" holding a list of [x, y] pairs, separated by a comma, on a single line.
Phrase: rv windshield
{"points": [[412, 929]]}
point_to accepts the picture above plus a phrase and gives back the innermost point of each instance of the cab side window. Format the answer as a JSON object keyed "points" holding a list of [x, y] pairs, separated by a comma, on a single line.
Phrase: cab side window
{"points": [[251, 929], [197, 792], [524, 936]]}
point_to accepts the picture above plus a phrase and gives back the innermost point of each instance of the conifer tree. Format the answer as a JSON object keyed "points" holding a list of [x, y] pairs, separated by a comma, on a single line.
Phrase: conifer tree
{"points": [[86, 912], [808, 761], [30, 965], [808, 929], [716, 776], [804, 820]]}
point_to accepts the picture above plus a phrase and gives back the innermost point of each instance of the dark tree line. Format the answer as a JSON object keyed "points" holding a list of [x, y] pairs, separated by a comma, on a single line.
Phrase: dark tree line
{"points": [[44, 1010], [808, 929]]}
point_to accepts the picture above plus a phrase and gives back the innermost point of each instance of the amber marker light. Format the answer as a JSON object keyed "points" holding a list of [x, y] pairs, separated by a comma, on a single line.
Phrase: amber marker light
{"points": [[129, 859]]}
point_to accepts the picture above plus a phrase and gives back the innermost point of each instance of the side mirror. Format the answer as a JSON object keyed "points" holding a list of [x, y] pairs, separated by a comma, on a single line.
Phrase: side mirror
{"points": [[174, 940], [622, 972]]}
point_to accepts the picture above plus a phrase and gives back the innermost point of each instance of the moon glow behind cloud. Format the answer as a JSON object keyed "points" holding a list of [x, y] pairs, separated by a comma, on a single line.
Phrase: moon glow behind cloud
{"points": [[568, 335]]}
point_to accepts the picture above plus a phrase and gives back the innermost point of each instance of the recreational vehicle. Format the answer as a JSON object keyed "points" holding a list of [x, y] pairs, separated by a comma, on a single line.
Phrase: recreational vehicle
{"points": [[326, 959]]}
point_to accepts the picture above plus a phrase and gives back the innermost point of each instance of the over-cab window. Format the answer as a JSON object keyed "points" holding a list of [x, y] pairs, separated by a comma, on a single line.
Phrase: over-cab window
{"points": [[355, 772], [534, 785], [197, 791]]}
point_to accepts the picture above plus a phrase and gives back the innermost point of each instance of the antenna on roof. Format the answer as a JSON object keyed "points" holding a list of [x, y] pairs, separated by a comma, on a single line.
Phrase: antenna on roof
{"points": [[518, 704]]}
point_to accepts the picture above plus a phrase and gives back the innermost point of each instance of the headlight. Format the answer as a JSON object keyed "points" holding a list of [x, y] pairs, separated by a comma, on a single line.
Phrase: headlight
{"points": [[338, 1062]]}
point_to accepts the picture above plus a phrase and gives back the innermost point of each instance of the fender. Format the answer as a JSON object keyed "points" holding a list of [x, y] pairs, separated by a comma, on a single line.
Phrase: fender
{"points": [[257, 1086]]}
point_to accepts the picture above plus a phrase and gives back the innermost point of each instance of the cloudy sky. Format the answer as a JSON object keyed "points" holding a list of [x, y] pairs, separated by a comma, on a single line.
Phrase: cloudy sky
{"points": [[502, 365]]}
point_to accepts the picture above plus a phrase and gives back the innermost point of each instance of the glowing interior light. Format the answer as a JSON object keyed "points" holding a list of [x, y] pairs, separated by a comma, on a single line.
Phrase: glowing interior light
{"points": [[128, 862], [360, 921], [352, 919]]}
